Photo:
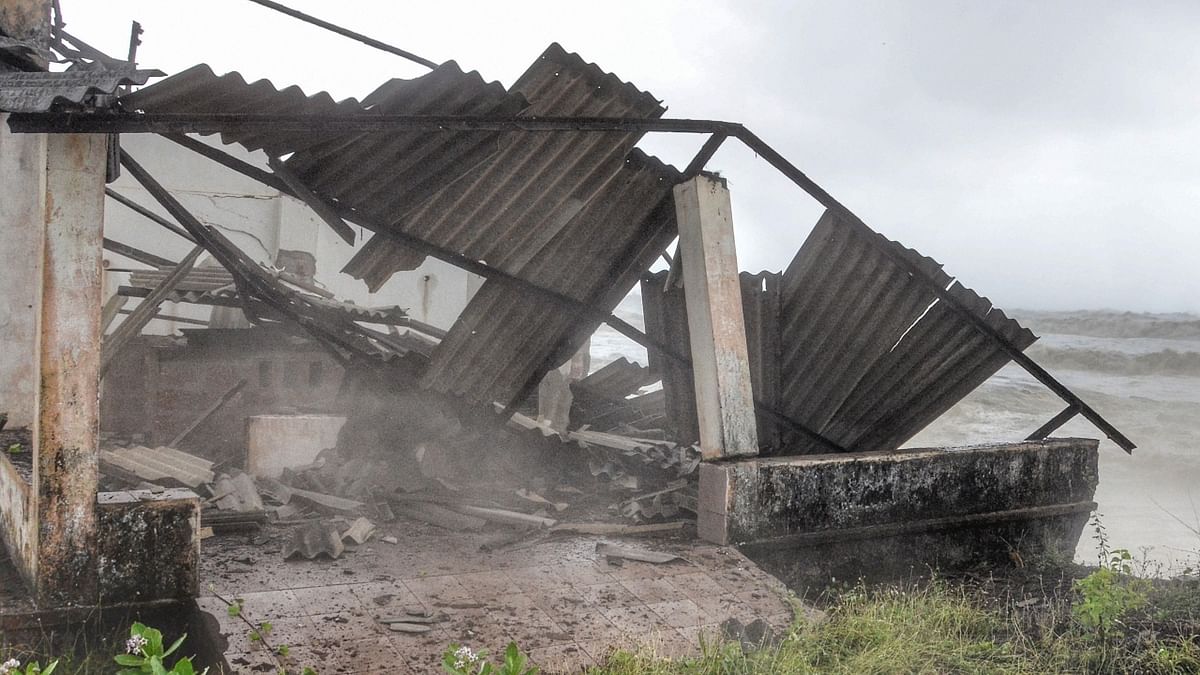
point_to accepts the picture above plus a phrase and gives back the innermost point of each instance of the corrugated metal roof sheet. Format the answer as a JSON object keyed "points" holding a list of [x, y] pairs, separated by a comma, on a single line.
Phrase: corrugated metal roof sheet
{"points": [[844, 342], [506, 209], [506, 335], [27, 92], [616, 380]]}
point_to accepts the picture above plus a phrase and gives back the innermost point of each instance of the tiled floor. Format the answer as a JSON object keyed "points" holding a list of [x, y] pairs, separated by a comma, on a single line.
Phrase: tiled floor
{"points": [[557, 599]]}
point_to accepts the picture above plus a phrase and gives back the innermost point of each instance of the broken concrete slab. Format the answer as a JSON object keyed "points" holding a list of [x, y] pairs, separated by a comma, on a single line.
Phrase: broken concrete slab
{"points": [[163, 528], [610, 551]]}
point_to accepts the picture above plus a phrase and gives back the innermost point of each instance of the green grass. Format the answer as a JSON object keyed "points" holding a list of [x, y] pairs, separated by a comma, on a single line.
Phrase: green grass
{"points": [[937, 628]]}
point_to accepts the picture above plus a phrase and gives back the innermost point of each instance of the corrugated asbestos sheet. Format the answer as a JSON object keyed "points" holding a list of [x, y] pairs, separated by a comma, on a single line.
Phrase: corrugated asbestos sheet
{"points": [[845, 342], [616, 380], [582, 214], [508, 208], [508, 336], [68, 90]]}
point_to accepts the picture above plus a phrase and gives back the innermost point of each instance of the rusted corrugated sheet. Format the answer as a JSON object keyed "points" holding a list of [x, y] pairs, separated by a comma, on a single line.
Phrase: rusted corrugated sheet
{"points": [[69, 90], [508, 335], [665, 314], [844, 305], [505, 210], [941, 360], [844, 342]]}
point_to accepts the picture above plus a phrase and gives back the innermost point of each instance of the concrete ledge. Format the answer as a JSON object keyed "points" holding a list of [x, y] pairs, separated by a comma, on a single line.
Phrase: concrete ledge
{"points": [[788, 497], [149, 545]]}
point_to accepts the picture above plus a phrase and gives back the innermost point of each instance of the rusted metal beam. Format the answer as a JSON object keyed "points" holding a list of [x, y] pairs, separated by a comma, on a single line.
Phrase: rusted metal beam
{"points": [[147, 213], [346, 32], [146, 310], [1054, 423], [113, 307], [137, 254], [211, 123]]}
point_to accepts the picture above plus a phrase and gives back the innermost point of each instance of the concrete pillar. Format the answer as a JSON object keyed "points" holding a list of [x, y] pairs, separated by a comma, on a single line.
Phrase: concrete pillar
{"points": [[66, 441], [720, 360]]}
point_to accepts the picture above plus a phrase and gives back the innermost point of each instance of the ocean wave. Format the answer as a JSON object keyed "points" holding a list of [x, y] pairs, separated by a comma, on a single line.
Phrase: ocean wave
{"points": [[1112, 324], [1165, 362]]}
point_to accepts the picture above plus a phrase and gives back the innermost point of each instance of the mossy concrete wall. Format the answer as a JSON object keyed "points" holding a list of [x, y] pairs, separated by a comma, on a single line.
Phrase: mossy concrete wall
{"points": [[803, 499], [149, 545]]}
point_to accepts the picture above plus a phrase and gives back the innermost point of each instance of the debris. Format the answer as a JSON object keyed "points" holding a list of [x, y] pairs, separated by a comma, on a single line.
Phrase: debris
{"points": [[752, 636], [205, 533], [440, 516], [330, 502], [288, 512], [156, 465], [360, 531], [409, 627], [275, 490], [614, 529], [236, 493], [531, 496], [505, 516], [314, 539], [609, 551], [389, 539], [422, 617]]}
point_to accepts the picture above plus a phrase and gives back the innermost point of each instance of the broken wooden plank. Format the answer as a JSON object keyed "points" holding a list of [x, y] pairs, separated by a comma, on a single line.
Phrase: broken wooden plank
{"points": [[616, 529], [504, 516], [208, 413], [145, 311], [655, 557]]}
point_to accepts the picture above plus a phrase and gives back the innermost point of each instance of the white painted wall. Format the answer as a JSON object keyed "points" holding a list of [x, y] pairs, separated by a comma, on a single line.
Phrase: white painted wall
{"points": [[260, 221]]}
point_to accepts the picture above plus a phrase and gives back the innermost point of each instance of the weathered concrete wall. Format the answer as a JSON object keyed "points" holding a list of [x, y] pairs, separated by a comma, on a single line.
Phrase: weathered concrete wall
{"points": [[157, 387], [22, 229], [149, 545], [278, 442], [16, 523], [778, 498]]}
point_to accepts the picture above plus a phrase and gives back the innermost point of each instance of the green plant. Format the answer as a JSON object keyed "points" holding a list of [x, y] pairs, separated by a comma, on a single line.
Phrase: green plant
{"points": [[461, 660], [1109, 593], [145, 654], [13, 667]]}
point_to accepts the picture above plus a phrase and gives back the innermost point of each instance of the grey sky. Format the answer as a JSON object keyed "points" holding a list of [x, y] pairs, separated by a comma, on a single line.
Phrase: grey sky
{"points": [[1046, 153]]}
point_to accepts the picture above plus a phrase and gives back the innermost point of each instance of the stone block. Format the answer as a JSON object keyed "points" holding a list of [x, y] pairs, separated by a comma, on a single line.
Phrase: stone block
{"points": [[149, 545]]}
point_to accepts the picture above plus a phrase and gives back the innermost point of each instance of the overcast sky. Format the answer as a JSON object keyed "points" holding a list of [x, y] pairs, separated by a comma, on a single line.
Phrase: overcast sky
{"points": [[1048, 154]]}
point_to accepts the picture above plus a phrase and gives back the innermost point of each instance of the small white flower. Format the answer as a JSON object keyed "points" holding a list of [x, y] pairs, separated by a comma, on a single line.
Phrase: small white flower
{"points": [[9, 666], [458, 665], [134, 644]]}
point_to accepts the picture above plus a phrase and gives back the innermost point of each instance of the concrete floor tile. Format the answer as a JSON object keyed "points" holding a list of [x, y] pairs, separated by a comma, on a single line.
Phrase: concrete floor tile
{"points": [[285, 631], [383, 596], [696, 585], [438, 590], [327, 600], [679, 613], [495, 582], [606, 595], [652, 589]]}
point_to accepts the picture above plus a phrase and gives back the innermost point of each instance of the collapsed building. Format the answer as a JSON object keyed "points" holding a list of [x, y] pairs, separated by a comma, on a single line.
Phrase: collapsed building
{"points": [[781, 399]]}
